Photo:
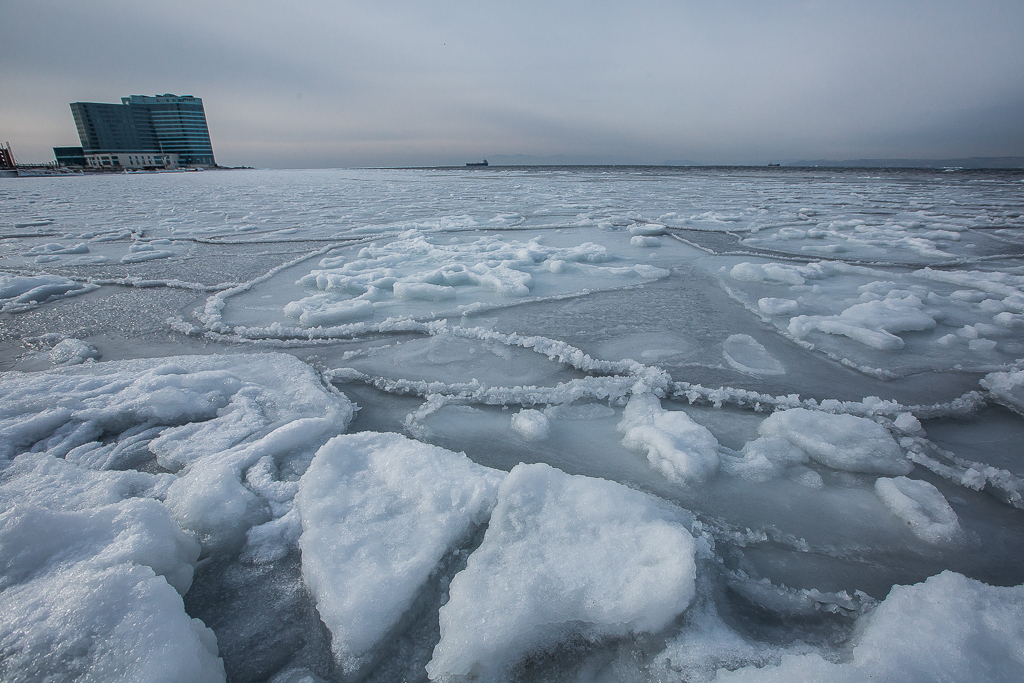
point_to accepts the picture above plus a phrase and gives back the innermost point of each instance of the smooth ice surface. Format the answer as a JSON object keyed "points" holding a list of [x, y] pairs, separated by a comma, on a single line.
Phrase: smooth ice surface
{"points": [[378, 512], [564, 556], [807, 380]]}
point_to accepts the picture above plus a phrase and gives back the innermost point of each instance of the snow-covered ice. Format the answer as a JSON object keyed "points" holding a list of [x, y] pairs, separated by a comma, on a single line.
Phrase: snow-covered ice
{"points": [[644, 424]]}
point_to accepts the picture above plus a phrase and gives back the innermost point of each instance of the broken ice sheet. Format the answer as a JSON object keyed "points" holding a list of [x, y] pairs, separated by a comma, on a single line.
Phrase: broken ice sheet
{"points": [[803, 538]]}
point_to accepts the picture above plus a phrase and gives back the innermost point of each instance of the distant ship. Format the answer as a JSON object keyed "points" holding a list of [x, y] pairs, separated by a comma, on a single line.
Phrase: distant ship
{"points": [[477, 163]]}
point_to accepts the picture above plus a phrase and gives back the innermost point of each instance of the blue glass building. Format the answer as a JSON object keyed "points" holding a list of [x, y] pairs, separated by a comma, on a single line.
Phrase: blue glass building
{"points": [[144, 130]]}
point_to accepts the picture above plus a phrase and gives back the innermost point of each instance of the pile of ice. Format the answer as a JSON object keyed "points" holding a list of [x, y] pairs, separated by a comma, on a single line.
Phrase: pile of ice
{"points": [[910, 237], [1007, 387], [789, 440], [872, 323], [94, 594], [946, 313], [412, 270], [116, 477]]}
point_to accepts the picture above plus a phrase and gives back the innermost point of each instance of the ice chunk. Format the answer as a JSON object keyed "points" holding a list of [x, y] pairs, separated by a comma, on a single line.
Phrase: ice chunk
{"points": [[949, 628], [72, 352], [379, 511], [322, 310], [921, 506], [644, 241], [18, 293], [651, 272], [647, 229], [773, 306], [908, 423], [532, 424], [842, 442], [981, 345], [563, 556], [139, 252], [766, 457], [12, 286], [681, 449], [770, 273], [746, 354]]}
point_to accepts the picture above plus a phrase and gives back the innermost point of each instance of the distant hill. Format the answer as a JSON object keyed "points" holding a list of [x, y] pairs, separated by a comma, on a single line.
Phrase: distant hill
{"points": [[968, 162]]}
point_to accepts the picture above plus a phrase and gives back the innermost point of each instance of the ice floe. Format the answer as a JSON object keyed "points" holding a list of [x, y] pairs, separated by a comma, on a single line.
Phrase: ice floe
{"points": [[378, 512], [563, 557], [72, 352]]}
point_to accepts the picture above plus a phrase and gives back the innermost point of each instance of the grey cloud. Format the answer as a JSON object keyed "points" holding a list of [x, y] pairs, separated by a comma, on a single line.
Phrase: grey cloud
{"points": [[398, 83]]}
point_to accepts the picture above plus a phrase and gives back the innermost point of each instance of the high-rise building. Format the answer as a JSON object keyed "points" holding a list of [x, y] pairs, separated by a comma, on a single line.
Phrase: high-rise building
{"points": [[159, 131]]}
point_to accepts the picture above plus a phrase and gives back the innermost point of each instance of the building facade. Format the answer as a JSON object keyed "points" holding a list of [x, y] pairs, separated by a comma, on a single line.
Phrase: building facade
{"points": [[159, 131], [69, 156]]}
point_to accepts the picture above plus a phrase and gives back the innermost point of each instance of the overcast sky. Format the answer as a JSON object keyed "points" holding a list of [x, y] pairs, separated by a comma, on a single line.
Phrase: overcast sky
{"points": [[314, 84]]}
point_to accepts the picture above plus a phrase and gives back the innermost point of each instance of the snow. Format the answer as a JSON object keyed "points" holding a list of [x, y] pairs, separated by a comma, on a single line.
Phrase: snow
{"points": [[378, 512], [752, 402], [563, 556]]}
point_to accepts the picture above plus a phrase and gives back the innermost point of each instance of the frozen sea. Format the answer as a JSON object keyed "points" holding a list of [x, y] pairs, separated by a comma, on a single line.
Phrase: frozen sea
{"points": [[513, 424]]}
